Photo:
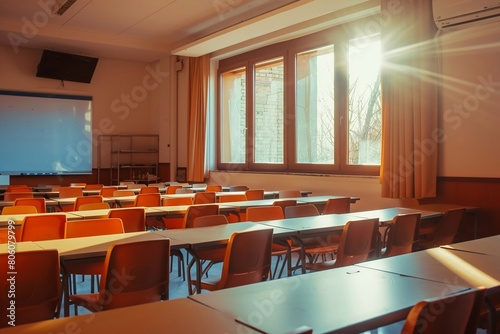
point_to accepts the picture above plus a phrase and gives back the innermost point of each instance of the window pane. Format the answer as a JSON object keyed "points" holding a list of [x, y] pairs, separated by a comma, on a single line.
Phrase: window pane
{"points": [[365, 117], [268, 112], [314, 106], [233, 117]]}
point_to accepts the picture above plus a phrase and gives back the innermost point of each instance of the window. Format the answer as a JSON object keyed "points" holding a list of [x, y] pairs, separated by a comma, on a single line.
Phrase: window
{"points": [[268, 112], [307, 105]]}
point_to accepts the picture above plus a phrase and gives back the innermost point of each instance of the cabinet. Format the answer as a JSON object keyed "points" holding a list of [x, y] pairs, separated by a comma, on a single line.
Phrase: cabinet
{"points": [[129, 158]]}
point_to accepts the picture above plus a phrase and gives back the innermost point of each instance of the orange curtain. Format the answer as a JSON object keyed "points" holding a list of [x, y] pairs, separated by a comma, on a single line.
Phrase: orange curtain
{"points": [[199, 70], [410, 133]]}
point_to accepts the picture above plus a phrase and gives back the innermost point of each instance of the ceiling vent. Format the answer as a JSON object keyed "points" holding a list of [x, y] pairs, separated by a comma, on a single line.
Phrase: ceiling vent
{"points": [[61, 6]]}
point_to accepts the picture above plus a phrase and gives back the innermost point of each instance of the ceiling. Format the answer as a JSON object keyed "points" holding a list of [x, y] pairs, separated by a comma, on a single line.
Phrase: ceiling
{"points": [[149, 30]]}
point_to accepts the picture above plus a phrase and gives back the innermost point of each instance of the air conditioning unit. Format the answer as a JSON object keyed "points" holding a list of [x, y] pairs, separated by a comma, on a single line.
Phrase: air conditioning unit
{"points": [[449, 13]]}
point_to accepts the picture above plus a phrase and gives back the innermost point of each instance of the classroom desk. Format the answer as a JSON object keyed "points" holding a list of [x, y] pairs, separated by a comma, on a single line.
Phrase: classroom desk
{"points": [[20, 246], [18, 218], [473, 211], [386, 215], [488, 245], [344, 300], [48, 203], [171, 316], [67, 201], [451, 267]]}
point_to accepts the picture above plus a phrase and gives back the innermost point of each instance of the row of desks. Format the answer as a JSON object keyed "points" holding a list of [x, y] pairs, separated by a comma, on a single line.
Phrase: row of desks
{"points": [[330, 301]]}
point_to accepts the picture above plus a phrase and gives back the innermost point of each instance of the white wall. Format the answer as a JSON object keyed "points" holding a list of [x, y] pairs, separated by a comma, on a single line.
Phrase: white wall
{"points": [[470, 94], [128, 97]]}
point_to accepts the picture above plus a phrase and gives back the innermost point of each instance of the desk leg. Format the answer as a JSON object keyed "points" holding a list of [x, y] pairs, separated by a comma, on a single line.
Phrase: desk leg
{"points": [[194, 260], [65, 289], [302, 253]]}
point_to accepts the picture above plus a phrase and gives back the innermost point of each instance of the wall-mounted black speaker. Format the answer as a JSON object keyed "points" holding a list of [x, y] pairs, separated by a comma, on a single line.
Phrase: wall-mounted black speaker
{"points": [[66, 66]]}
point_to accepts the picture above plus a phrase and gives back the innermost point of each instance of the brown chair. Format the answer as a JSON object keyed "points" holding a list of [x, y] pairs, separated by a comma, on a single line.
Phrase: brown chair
{"points": [[214, 187], [210, 255], [289, 194], [254, 194], [279, 249], [37, 287], [204, 197], [337, 205], [43, 227], [107, 191], [196, 211], [247, 260], [18, 188], [456, 313], [234, 216], [93, 206], [18, 209], [238, 188], [93, 227], [133, 219], [175, 222], [143, 279], [172, 189], [305, 210], [123, 193], [357, 242], [149, 190], [148, 200], [12, 196], [37, 202], [285, 202], [93, 186], [399, 237], [67, 192], [446, 230], [86, 200]]}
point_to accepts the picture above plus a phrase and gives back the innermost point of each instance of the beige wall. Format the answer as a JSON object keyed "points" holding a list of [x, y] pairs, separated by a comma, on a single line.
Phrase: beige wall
{"points": [[366, 188], [128, 97]]}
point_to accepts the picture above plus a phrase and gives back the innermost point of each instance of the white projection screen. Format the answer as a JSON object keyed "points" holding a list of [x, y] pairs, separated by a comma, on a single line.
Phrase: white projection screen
{"points": [[45, 134]]}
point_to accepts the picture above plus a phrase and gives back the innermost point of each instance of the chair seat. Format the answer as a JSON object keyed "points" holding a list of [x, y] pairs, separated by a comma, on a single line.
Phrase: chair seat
{"points": [[90, 301]]}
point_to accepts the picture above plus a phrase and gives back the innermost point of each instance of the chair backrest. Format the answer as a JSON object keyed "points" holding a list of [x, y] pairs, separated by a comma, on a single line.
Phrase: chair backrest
{"points": [[337, 205], [108, 191], [37, 202], [210, 220], [232, 198], [149, 190], [261, 213], [93, 186], [18, 209], [214, 188], [133, 219], [173, 201], [456, 313], [305, 210], [92, 227], [195, 211], [20, 190], [401, 234], [37, 290], [183, 190], [285, 202], [289, 194], [204, 197], [254, 194], [123, 192], [142, 279], [78, 184], [238, 188], [449, 226], [12, 196], [93, 206], [152, 199], [357, 241], [171, 189], [247, 259], [46, 226], [87, 199], [65, 192]]}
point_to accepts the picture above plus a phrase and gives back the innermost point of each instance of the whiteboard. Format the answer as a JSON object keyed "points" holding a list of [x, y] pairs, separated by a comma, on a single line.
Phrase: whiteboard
{"points": [[45, 134]]}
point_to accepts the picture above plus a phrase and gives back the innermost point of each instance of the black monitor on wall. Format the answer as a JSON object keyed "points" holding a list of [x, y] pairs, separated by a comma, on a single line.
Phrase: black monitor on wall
{"points": [[45, 134], [66, 66]]}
